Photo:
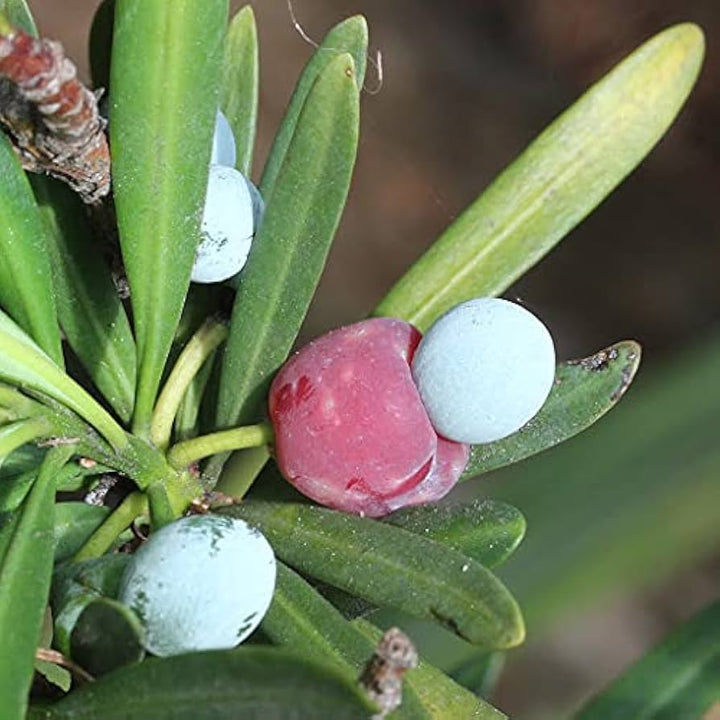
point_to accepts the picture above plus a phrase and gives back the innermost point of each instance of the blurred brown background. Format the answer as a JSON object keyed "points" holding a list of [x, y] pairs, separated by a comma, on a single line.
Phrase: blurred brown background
{"points": [[466, 85]]}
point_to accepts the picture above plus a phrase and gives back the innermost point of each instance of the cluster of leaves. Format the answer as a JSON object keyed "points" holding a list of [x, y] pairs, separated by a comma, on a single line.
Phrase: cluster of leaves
{"points": [[64, 429]]}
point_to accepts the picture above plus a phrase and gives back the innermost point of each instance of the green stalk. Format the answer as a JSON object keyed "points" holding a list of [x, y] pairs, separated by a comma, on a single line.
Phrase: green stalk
{"points": [[20, 405], [190, 451], [120, 519], [200, 346]]}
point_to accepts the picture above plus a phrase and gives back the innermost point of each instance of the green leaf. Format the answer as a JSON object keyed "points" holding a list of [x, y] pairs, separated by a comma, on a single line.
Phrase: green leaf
{"points": [[390, 567], [27, 457], [77, 585], [26, 287], [299, 618], [163, 82], [480, 673], [442, 698], [606, 527], [565, 173], [90, 311], [677, 680], [484, 530], [239, 86], [53, 673], [23, 363], [106, 636], [75, 522], [19, 15], [252, 683], [290, 248], [584, 391], [26, 558], [349, 36], [19, 433], [13, 490]]}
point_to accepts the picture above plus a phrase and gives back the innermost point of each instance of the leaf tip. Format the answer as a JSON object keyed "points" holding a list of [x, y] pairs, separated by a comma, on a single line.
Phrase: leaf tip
{"points": [[245, 17], [356, 23]]}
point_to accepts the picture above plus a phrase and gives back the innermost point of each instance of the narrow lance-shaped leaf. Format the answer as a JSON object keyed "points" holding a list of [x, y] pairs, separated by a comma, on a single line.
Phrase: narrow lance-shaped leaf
{"points": [[485, 530], [239, 86], [605, 526], [18, 14], [26, 287], [300, 618], [292, 244], [163, 107], [349, 36], [90, 311], [24, 363], [252, 683], [390, 567], [583, 392], [442, 697], [26, 559], [567, 171], [680, 678]]}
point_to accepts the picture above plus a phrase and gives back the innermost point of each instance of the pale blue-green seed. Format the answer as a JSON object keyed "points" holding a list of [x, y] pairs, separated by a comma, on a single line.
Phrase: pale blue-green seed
{"points": [[203, 582], [484, 369], [224, 151], [227, 226]]}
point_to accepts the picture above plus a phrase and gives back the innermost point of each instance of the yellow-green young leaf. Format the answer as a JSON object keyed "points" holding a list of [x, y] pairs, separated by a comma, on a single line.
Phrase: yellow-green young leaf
{"points": [[164, 77], [290, 249], [379, 562], [678, 679], [565, 173], [349, 36], [91, 314], [19, 15], [26, 287], [583, 392], [239, 86], [441, 697], [24, 364], [26, 560], [252, 683]]}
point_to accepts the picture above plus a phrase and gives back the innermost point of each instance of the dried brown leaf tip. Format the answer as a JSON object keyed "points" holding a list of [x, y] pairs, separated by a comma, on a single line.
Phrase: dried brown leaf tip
{"points": [[382, 677], [51, 117]]}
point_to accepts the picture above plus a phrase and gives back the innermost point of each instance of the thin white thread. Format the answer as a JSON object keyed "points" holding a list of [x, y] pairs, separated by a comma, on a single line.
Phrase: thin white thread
{"points": [[376, 62], [298, 27]]}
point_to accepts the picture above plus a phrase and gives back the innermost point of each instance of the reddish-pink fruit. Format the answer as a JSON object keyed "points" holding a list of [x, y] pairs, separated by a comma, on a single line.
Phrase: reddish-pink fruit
{"points": [[350, 429]]}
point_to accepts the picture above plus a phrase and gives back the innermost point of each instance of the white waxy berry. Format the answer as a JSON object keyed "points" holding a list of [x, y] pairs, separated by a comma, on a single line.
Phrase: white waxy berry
{"points": [[227, 228], [203, 582], [484, 369], [224, 151]]}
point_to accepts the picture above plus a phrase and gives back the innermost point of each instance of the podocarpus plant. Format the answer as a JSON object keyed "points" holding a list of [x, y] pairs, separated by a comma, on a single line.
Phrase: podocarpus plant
{"points": [[154, 391]]}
